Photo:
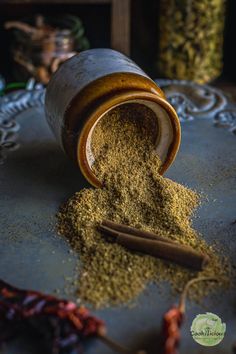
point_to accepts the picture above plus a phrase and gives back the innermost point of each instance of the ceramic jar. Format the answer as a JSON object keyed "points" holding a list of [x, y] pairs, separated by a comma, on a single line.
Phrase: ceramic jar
{"points": [[92, 83]]}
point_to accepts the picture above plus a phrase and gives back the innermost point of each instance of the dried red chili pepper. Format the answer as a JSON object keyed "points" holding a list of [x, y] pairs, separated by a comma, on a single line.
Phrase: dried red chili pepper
{"points": [[173, 320], [70, 325]]}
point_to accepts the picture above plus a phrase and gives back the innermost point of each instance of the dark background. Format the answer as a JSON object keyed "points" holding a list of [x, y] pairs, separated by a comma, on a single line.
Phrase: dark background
{"points": [[96, 19]]}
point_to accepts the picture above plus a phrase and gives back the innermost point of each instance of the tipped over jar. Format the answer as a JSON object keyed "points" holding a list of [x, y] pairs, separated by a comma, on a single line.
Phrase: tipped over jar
{"points": [[93, 83]]}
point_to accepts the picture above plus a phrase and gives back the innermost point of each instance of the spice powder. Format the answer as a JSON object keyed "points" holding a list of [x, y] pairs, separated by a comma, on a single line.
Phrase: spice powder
{"points": [[133, 193]]}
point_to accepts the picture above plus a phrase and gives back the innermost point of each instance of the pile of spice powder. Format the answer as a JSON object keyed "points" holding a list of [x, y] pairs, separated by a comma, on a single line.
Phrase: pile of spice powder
{"points": [[133, 193]]}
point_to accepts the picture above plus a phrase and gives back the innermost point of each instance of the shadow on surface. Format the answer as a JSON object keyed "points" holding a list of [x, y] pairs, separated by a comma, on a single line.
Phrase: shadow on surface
{"points": [[149, 342], [44, 170], [26, 344]]}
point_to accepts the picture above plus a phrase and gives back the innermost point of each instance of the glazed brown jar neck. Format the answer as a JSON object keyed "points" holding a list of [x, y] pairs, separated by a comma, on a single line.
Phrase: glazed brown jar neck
{"points": [[167, 128], [96, 95]]}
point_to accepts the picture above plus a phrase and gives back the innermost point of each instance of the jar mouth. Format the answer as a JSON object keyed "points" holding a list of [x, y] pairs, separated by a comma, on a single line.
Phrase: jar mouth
{"points": [[167, 135]]}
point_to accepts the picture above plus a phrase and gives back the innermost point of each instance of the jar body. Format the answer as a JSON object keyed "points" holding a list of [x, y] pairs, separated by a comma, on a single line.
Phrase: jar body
{"points": [[91, 84], [191, 39]]}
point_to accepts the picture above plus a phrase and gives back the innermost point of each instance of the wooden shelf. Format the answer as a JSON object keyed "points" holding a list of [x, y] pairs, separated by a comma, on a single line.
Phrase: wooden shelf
{"points": [[50, 2]]}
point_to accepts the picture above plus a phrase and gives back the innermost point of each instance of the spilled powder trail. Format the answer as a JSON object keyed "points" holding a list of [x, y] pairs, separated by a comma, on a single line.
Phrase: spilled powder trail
{"points": [[133, 193]]}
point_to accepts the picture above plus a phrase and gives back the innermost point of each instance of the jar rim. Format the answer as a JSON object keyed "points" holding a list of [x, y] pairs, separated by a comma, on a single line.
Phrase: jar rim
{"points": [[111, 103]]}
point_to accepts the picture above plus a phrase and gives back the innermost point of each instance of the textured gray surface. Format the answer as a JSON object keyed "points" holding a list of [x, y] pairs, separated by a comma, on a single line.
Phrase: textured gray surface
{"points": [[36, 178]]}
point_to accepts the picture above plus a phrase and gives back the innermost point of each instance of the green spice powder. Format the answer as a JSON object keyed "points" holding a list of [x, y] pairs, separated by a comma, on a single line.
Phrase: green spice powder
{"points": [[133, 193]]}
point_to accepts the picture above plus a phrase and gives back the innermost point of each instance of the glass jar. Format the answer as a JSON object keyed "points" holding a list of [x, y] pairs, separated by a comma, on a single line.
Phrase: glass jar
{"points": [[191, 39], [92, 83]]}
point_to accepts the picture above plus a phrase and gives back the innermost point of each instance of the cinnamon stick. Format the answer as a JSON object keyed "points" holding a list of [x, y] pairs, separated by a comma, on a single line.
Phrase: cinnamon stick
{"points": [[133, 231], [173, 252]]}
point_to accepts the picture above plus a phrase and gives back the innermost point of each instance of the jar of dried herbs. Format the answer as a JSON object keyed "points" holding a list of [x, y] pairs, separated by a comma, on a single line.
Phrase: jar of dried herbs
{"points": [[191, 39], [88, 86]]}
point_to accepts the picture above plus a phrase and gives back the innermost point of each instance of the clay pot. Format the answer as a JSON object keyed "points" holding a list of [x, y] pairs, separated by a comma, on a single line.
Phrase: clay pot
{"points": [[94, 82]]}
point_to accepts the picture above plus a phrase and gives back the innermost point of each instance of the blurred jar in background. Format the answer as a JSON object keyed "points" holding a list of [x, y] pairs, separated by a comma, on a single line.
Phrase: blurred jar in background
{"points": [[40, 45], [191, 39]]}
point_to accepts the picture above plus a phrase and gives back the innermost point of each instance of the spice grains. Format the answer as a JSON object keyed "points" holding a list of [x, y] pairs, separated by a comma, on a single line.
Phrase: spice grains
{"points": [[133, 193]]}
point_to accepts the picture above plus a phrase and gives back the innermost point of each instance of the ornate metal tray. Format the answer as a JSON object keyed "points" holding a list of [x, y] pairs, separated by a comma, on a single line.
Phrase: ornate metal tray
{"points": [[36, 178]]}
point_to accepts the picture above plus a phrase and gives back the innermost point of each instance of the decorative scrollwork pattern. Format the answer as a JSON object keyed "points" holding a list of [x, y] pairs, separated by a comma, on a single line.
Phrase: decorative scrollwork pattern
{"points": [[226, 118], [8, 130], [191, 100], [11, 105]]}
